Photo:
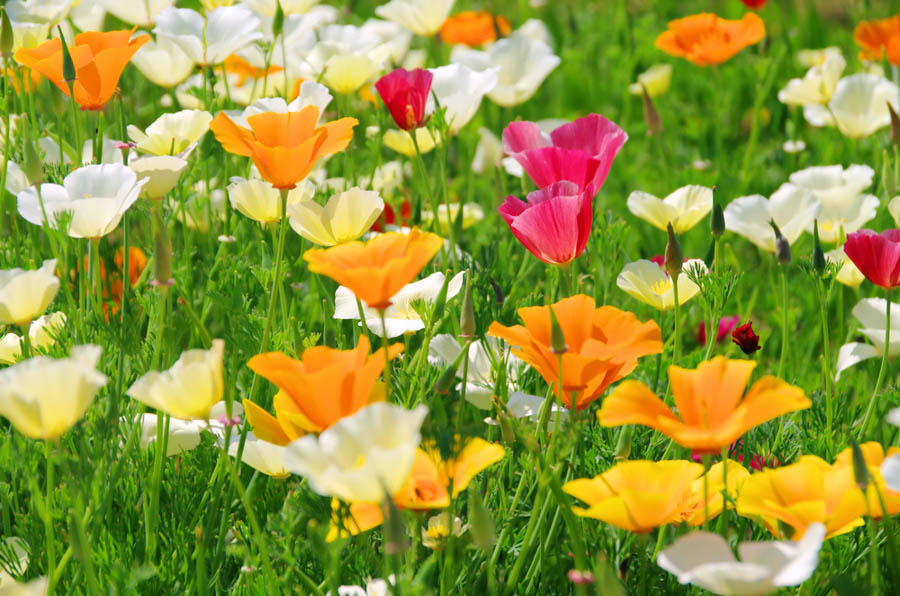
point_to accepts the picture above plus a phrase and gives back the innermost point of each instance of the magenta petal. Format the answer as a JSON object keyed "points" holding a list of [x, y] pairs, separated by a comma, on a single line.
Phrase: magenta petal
{"points": [[876, 256], [549, 229], [564, 188], [548, 165], [523, 136], [593, 134], [511, 208]]}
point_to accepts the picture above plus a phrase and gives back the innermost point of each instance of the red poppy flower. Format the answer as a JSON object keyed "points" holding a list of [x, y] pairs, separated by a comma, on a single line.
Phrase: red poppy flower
{"points": [[405, 92], [754, 4], [745, 338], [877, 256]]}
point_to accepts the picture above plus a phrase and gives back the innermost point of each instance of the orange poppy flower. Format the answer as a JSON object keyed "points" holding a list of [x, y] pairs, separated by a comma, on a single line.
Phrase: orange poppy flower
{"points": [[709, 488], [318, 390], [236, 65], [376, 270], [874, 455], [801, 494], [284, 146], [706, 39], [604, 345], [99, 59], [637, 496], [427, 487], [473, 28], [711, 411], [879, 37]]}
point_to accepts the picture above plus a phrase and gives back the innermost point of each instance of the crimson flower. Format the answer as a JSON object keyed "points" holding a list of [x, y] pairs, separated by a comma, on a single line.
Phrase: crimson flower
{"points": [[405, 92], [745, 338], [754, 4], [877, 256]]}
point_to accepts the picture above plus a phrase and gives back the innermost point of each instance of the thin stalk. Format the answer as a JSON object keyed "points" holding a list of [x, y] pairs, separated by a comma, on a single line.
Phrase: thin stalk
{"points": [[98, 140], [881, 371], [152, 516], [48, 507], [362, 318], [387, 356], [436, 225], [95, 290], [826, 347], [784, 321]]}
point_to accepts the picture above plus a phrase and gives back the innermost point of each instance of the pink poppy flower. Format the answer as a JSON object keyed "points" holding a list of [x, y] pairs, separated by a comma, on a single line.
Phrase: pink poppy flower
{"points": [[405, 92], [726, 325], [877, 256], [554, 224], [581, 151]]}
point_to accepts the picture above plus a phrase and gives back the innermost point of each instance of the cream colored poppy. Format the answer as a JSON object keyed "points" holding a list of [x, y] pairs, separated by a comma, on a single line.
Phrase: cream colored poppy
{"points": [[170, 134], [344, 218], [655, 80], [42, 333], [401, 141], [649, 283], [260, 201], [26, 294], [683, 208]]}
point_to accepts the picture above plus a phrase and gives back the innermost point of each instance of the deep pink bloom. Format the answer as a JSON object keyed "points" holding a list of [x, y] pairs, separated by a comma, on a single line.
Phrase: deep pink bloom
{"points": [[581, 151], [726, 324], [554, 224], [877, 256], [405, 92]]}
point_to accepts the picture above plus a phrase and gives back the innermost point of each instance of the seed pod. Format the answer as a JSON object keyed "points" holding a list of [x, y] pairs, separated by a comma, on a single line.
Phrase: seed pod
{"points": [[482, 524], [31, 165], [467, 316], [895, 125], [674, 259], [68, 64], [277, 20], [717, 220], [623, 444], [818, 256]]}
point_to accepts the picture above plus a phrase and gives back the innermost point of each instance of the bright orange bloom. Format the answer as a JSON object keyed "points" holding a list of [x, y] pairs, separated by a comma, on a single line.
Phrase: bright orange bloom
{"points": [[604, 345], [99, 59], [473, 28], [874, 455], [706, 39], [376, 270], [711, 411], [637, 496], [318, 390], [879, 37], [284, 146], [801, 494], [236, 65], [427, 487]]}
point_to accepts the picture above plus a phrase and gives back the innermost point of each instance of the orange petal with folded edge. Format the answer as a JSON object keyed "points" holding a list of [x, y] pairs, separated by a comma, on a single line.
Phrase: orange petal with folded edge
{"points": [[233, 138], [632, 402], [707, 395], [477, 455], [264, 425], [291, 418], [769, 398], [284, 129], [340, 133]]}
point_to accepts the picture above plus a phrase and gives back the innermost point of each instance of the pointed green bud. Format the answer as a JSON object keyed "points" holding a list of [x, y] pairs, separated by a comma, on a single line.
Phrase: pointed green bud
{"points": [[162, 251], [396, 539], [482, 525], [895, 125], [717, 219], [278, 20], [6, 34], [467, 316], [782, 246], [623, 444], [557, 338], [445, 381], [861, 474], [673, 259], [68, 65], [890, 173], [651, 116], [818, 256], [31, 164], [437, 311], [506, 430]]}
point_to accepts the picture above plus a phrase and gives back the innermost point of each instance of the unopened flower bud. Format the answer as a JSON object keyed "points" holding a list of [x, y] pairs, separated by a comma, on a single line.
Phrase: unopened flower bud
{"points": [[6, 34], [673, 259], [782, 246], [717, 220], [818, 256], [890, 173], [68, 65], [861, 474], [506, 430], [467, 316], [278, 20], [623, 444], [557, 338], [445, 381], [437, 310], [31, 164], [482, 526], [651, 116], [162, 252]]}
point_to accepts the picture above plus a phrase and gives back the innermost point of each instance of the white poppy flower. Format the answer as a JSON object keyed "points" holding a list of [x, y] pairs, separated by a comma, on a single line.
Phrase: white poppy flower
{"points": [[88, 15], [387, 178], [811, 57], [835, 222], [363, 457], [42, 334], [260, 201], [848, 274], [401, 316], [705, 560], [480, 381], [817, 86], [792, 207], [523, 405], [43, 397], [459, 89], [858, 107], [872, 315], [172, 133], [39, 11], [422, 17], [311, 94], [163, 62], [535, 30], [16, 180], [834, 185], [97, 196], [649, 283], [142, 13], [374, 587], [161, 172], [523, 65], [26, 294], [683, 208], [345, 58], [209, 41], [184, 435], [267, 8], [260, 455], [794, 146], [395, 37]]}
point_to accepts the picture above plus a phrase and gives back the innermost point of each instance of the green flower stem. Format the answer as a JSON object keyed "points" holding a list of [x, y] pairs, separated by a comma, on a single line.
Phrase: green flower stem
{"points": [[387, 356], [96, 291], [362, 319], [98, 141], [660, 539], [152, 511], [881, 371], [826, 351], [675, 332], [47, 507], [436, 224], [784, 321]]}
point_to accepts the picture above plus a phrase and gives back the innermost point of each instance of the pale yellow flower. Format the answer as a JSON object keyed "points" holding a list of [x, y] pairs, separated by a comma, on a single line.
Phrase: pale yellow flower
{"points": [[348, 72], [172, 133], [648, 282], [42, 333], [161, 171], [44, 397], [655, 80], [422, 17], [260, 201], [189, 389], [401, 141], [849, 274], [683, 208], [163, 62], [26, 294], [344, 218]]}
